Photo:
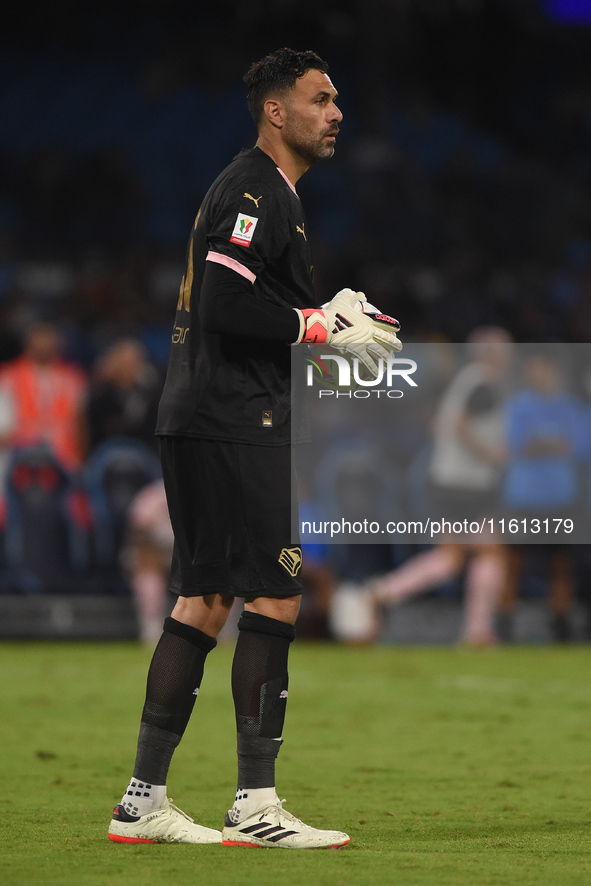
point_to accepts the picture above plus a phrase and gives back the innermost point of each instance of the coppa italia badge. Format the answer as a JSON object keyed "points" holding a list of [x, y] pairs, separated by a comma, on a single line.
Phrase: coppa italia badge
{"points": [[243, 229]]}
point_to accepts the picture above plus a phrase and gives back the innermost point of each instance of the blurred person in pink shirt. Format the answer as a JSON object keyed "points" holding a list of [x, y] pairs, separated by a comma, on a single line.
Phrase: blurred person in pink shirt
{"points": [[146, 558]]}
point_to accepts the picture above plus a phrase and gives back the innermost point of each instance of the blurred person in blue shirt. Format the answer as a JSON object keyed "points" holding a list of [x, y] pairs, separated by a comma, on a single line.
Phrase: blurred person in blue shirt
{"points": [[542, 424], [541, 482]]}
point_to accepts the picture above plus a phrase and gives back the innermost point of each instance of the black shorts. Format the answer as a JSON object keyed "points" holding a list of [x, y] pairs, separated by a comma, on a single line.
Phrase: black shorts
{"points": [[230, 506], [462, 504]]}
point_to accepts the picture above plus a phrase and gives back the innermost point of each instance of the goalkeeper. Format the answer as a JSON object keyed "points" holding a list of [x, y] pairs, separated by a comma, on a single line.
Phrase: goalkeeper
{"points": [[224, 428]]}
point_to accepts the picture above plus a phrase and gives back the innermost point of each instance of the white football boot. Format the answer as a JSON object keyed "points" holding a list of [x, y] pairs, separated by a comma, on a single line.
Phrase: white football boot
{"points": [[165, 825], [274, 826]]}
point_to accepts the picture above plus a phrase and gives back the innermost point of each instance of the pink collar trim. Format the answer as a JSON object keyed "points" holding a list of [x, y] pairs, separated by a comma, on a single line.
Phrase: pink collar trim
{"points": [[287, 180]]}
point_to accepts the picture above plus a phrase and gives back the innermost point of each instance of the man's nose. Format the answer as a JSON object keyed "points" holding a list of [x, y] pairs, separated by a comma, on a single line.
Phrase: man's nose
{"points": [[336, 114]]}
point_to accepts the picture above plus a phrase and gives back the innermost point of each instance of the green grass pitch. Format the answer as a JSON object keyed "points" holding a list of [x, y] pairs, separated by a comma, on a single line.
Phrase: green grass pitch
{"points": [[445, 766]]}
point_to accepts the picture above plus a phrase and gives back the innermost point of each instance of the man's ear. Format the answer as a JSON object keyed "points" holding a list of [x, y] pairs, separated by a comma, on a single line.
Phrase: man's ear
{"points": [[274, 112]]}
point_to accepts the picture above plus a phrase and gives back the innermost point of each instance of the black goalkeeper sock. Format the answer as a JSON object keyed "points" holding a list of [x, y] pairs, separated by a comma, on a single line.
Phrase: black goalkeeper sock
{"points": [[259, 687], [174, 678]]}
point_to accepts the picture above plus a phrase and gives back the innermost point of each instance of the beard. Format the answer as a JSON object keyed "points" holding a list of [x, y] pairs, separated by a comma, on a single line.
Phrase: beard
{"points": [[310, 146]]}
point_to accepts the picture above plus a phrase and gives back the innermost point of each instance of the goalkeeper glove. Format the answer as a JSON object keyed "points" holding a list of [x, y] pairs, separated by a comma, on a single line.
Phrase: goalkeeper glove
{"points": [[348, 322]]}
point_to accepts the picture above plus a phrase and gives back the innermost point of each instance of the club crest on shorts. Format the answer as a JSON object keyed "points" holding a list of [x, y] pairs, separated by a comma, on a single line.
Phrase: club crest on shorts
{"points": [[291, 559]]}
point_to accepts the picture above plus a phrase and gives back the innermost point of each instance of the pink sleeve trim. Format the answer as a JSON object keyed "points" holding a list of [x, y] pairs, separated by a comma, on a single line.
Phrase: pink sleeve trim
{"points": [[287, 180], [231, 263]]}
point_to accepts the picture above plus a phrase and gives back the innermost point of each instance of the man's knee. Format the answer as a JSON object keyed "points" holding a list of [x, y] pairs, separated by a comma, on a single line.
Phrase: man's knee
{"points": [[285, 609], [209, 613]]}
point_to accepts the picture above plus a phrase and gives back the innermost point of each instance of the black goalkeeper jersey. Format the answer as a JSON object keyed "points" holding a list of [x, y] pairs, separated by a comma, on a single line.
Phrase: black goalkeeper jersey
{"points": [[234, 388]]}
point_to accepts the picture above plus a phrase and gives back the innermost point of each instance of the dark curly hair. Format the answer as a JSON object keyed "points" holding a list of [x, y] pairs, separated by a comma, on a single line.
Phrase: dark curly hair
{"points": [[278, 72]]}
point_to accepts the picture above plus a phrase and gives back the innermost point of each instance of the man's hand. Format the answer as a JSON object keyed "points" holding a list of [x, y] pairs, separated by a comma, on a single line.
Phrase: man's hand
{"points": [[350, 323]]}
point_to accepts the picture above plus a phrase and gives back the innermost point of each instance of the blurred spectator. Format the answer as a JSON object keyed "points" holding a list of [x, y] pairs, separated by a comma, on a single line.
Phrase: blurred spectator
{"points": [[46, 394], [45, 544], [317, 578], [584, 437], [123, 395], [6, 429], [465, 469], [146, 558], [542, 426], [541, 483], [355, 482]]}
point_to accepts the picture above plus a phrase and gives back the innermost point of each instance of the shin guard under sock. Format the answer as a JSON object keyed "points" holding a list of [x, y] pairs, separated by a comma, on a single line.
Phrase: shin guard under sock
{"points": [[174, 678], [259, 688]]}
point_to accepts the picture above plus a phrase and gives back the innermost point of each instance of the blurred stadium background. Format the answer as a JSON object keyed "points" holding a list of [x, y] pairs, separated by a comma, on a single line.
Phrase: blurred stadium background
{"points": [[459, 196]]}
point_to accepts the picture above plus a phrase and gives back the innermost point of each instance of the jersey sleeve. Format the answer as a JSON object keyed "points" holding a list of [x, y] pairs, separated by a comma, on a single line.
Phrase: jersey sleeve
{"points": [[229, 307], [248, 230]]}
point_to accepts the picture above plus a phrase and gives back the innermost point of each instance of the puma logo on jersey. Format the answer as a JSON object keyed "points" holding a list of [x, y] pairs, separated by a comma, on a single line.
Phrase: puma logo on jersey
{"points": [[301, 231], [255, 200]]}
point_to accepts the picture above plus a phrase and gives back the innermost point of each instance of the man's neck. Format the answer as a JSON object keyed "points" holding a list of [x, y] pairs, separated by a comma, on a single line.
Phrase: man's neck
{"points": [[290, 163]]}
